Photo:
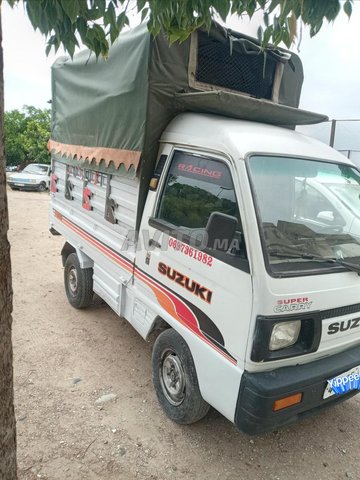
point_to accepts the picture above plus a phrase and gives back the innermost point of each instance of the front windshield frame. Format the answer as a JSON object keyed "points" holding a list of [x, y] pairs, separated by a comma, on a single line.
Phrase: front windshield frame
{"points": [[313, 266]]}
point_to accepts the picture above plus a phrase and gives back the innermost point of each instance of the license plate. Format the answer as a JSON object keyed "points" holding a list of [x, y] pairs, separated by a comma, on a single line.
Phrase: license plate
{"points": [[343, 383], [19, 184]]}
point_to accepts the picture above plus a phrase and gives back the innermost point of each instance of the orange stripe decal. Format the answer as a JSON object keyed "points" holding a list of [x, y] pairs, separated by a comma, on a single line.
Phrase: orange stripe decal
{"points": [[170, 302]]}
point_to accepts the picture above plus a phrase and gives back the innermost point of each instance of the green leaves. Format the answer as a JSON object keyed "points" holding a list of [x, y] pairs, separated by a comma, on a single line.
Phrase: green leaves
{"points": [[141, 5], [65, 22], [33, 10], [99, 22], [222, 8], [71, 9], [348, 8], [281, 18], [26, 135]]}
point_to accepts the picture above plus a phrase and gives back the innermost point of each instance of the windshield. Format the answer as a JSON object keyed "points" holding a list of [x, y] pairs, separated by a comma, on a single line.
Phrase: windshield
{"points": [[301, 217], [37, 169]]}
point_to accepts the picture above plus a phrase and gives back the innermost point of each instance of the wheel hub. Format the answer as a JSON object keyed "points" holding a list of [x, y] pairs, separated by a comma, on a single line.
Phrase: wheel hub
{"points": [[172, 378], [73, 281]]}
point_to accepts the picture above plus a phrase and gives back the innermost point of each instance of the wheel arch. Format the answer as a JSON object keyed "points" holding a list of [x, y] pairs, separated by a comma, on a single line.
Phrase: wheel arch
{"points": [[65, 252], [158, 326], [84, 260], [177, 387], [212, 368]]}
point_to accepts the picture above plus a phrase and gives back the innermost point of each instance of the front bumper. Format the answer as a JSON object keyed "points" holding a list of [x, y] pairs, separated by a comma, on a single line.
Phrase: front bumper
{"points": [[24, 186], [258, 392]]}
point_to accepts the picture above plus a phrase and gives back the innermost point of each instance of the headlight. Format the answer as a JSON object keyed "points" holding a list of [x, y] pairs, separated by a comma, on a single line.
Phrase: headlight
{"points": [[276, 337], [284, 334], [34, 181]]}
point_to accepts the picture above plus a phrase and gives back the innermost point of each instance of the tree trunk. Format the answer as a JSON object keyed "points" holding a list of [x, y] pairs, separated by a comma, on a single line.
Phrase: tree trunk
{"points": [[7, 415]]}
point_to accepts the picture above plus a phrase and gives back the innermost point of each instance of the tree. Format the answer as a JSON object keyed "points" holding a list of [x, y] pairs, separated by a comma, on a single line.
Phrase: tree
{"points": [[7, 417], [26, 135], [14, 126], [96, 23]]}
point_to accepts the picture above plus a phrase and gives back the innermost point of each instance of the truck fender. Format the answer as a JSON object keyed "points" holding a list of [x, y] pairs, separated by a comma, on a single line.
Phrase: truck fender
{"points": [[84, 260], [158, 325]]}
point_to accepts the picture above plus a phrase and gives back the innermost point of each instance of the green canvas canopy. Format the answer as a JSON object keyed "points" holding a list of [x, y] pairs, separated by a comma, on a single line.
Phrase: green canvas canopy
{"points": [[110, 113]]}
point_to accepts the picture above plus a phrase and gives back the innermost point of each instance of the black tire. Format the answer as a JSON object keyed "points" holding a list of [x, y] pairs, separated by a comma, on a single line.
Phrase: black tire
{"points": [[78, 282], [42, 187], [184, 403]]}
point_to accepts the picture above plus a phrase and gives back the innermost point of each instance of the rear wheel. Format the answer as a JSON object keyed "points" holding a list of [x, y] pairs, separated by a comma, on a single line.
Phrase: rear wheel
{"points": [[175, 379], [78, 282]]}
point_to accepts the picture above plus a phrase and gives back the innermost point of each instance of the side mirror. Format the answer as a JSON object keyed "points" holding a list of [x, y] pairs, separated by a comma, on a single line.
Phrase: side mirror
{"points": [[331, 218], [326, 216], [220, 230]]}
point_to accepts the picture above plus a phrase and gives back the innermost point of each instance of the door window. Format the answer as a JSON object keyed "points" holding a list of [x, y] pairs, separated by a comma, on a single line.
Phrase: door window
{"points": [[197, 186]]}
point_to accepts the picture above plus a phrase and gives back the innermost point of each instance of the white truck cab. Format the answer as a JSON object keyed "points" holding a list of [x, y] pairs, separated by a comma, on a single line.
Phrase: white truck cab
{"points": [[255, 302]]}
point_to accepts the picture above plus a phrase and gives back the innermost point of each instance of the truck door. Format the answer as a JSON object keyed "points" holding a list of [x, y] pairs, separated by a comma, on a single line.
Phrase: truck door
{"points": [[207, 289]]}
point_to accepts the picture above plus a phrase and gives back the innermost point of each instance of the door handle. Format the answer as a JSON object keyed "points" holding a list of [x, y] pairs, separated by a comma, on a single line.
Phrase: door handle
{"points": [[154, 243]]}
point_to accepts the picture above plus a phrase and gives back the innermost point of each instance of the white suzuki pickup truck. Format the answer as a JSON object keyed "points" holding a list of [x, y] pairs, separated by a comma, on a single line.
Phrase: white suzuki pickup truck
{"points": [[189, 204]]}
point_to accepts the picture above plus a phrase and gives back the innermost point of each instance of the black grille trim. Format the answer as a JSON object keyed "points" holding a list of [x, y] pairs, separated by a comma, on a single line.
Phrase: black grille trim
{"points": [[339, 312], [321, 314]]}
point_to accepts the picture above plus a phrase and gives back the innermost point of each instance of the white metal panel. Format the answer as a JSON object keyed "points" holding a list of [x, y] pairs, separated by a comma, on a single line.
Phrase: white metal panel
{"points": [[322, 292], [59, 169], [237, 138], [91, 233], [125, 193], [108, 287], [142, 317]]}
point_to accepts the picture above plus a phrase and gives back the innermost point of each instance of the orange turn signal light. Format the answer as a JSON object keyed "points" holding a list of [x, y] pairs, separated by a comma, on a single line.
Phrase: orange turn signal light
{"points": [[287, 401]]}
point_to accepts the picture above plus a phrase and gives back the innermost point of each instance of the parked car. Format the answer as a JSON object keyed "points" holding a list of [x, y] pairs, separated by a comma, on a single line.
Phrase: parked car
{"points": [[35, 176]]}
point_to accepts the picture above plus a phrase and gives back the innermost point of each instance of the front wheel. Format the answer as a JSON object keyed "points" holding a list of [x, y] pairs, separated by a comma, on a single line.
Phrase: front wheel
{"points": [[78, 282], [42, 187], [175, 379]]}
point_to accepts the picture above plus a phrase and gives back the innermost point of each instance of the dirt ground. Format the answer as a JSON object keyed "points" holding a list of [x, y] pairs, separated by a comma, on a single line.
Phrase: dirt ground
{"points": [[67, 359]]}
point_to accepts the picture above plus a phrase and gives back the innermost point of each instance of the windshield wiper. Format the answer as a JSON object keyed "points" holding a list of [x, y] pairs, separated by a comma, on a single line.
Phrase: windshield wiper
{"points": [[318, 258]]}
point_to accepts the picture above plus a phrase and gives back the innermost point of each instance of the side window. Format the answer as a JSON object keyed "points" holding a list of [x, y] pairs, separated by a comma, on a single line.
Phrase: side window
{"points": [[196, 187]]}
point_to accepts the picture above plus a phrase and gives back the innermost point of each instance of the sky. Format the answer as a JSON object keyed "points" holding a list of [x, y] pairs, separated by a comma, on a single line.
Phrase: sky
{"points": [[330, 62]]}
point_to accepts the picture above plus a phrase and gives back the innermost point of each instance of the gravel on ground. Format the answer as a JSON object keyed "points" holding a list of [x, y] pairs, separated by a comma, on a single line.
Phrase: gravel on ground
{"points": [[86, 408]]}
